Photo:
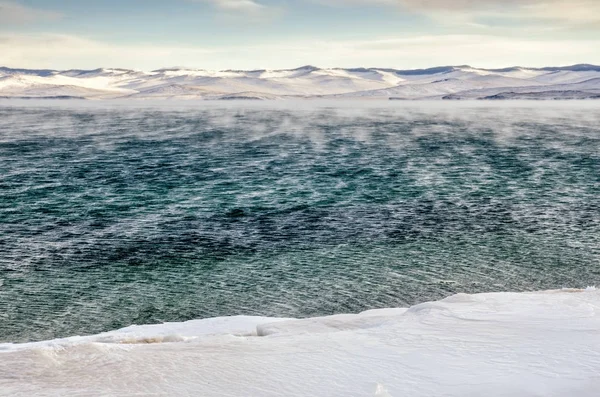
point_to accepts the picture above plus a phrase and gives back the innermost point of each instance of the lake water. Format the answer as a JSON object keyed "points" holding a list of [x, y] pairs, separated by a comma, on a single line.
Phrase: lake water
{"points": [[120, 214]]}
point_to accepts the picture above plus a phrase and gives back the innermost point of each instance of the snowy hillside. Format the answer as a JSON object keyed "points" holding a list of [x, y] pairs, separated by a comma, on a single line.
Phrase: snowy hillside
{"points": [[453, 82]]}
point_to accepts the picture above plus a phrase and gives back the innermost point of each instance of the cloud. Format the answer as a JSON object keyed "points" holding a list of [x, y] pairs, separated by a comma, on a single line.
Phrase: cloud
{"points": [[236, 6], [66, 52], [13, 13], [573, 11], [242, 11], [569, 11]]}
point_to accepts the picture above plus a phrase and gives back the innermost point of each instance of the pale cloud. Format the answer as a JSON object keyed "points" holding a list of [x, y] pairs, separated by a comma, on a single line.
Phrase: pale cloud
{"points": [[13, 13], [238, 5], [565, 11], [65, 52], [574, 11], [243, 11], [235, 6]]}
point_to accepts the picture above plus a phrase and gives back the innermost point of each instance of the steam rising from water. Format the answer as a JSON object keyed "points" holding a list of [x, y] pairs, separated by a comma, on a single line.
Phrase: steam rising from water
{"points": [[118, 214]]}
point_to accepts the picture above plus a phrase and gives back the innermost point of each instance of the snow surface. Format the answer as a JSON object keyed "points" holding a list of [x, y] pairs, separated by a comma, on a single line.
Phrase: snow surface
{"points": [[497, 344], [460, 82]]}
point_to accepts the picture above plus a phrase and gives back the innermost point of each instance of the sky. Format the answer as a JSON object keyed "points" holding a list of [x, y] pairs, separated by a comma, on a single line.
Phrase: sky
{"points": [[279, 34]]}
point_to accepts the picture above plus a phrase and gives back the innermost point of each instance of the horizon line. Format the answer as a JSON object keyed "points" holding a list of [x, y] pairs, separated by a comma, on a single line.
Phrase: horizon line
{"points": [[577, 66]]}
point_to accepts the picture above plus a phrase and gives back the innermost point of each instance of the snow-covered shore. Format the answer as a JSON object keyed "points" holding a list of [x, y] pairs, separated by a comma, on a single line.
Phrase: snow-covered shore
{"points": [[497, 344]]}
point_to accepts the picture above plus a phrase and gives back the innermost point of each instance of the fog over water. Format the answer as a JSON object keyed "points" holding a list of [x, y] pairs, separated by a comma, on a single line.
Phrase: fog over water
{"points": [[114, 214]]}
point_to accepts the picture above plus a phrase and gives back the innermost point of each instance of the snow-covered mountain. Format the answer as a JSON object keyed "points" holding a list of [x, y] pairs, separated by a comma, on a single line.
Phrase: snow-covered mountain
{"points": [[452, 82]]}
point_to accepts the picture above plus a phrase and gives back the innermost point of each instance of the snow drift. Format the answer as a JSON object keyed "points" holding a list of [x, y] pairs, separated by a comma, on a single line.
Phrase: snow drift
{"points": [[497, 344]]}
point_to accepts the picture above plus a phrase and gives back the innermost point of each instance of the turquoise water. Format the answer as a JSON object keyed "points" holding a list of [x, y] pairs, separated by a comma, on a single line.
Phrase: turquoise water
{"points": [[119, 215]]}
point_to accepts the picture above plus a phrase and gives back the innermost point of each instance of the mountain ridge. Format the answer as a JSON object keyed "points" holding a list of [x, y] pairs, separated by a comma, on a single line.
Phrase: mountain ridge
{"points": [[308, 81], [574, 67]]}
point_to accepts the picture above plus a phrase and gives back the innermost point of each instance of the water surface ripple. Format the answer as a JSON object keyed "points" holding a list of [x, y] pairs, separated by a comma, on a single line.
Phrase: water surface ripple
{"points": [[118, 216]]}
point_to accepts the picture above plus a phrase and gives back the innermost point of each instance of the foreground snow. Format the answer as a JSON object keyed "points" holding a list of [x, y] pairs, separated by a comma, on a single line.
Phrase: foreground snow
{"points": [[500, 344], [461, 82]]}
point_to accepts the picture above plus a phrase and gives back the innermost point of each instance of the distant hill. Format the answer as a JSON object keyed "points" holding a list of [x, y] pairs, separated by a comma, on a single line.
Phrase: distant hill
{"points": [[446, 82]]}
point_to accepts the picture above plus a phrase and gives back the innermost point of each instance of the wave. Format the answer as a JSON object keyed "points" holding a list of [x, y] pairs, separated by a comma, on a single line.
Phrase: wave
{"points": [[495, 344]]}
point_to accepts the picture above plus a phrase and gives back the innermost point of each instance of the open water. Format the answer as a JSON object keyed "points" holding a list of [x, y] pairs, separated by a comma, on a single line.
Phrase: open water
{"points": [[120, 214]]}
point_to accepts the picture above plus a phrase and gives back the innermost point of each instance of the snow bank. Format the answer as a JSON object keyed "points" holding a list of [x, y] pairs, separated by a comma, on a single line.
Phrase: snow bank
{"points": [[500, 344]]}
